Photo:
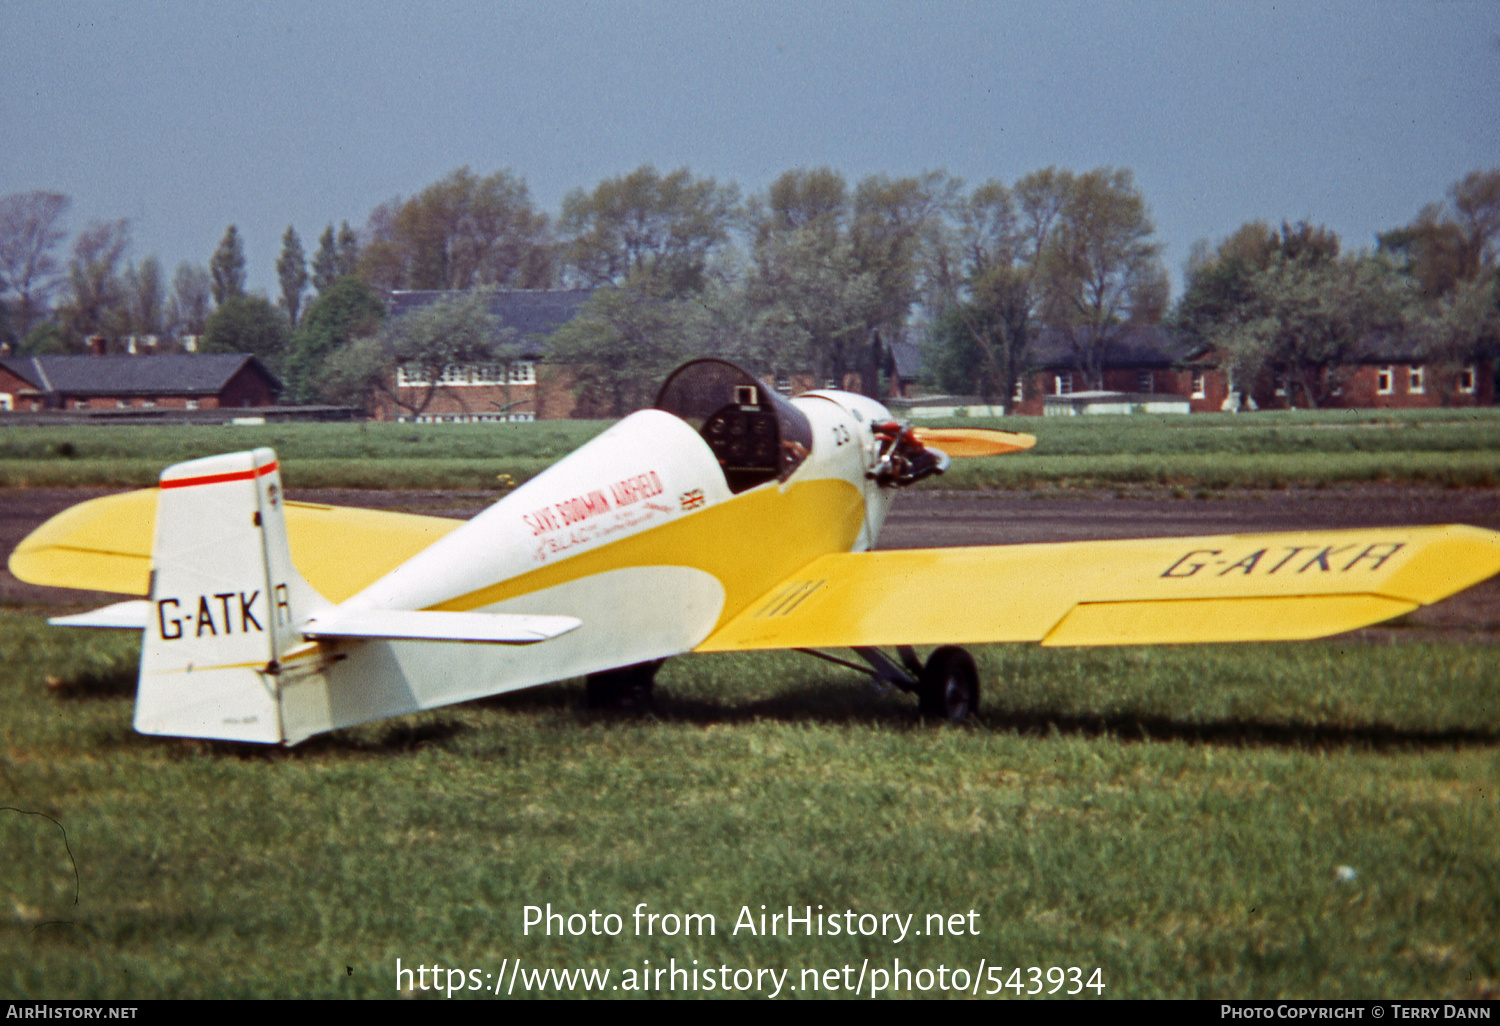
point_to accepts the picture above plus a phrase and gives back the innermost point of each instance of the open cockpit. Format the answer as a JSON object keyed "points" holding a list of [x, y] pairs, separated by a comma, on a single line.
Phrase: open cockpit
{"points": [[755, 434]]}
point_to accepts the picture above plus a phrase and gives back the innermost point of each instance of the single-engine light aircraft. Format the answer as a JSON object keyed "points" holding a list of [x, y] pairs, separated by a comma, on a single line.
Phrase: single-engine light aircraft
{"points": [[725, 518]]}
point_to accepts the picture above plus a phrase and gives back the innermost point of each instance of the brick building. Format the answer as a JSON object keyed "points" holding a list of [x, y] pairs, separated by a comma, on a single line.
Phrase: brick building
{"points": [[185, 381], [1388, 371], [524, 388], [1139, 362], [1140, 366], [1383, 372]]}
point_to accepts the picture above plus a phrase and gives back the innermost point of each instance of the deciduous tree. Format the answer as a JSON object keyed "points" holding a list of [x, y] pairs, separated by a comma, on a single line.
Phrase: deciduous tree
{"points": [[30, 230], [1218, 280], [1455, 330], [348, 310], [95, 301], [247, 324], [46, 339], [1102, 264], [357, 373], [145, 298], [981, 344], [891, 219], [816, 305], [621, 345], [1301, 319], [1451, 243], [454, 331], [190, 303], [461, 232], [658, 232]]}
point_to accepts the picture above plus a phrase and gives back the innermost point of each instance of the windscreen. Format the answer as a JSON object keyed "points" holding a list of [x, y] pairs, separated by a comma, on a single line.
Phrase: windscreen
{"points": [[756, 435]]}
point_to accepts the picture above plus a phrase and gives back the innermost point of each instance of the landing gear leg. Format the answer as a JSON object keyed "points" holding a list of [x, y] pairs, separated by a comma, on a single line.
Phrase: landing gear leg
{"points": [[949, 686], [627, 689]]}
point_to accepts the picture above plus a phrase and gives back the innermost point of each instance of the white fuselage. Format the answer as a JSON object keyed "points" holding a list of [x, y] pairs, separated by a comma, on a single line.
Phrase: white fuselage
{"points": [[636, 533]]}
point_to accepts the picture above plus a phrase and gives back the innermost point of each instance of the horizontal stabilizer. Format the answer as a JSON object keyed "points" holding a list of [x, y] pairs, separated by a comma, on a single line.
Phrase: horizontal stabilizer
{"points": [[120, 616], [422, 625], [104, 544], [1266, 587]]}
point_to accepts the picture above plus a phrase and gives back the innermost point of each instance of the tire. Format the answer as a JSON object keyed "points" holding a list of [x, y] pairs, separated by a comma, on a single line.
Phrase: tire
{"points": [[627, 689], [949, 686]]}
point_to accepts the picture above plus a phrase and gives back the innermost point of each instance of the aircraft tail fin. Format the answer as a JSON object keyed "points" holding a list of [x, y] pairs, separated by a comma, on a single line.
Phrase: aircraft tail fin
{"points": [[225, 605]]}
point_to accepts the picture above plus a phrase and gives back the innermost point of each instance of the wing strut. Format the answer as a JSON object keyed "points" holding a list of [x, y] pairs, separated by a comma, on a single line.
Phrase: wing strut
{"points": [[882, 668]]}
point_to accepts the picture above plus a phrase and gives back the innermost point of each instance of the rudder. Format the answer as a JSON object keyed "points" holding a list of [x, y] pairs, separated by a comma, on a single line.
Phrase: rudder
{"points": [[225, 602]]}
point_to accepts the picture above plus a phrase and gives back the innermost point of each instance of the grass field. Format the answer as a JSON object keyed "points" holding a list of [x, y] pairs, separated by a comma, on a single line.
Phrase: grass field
{"points": [[1459, 447], [376, 455], [1316, 820], [1312, 820], [1269, 449]]}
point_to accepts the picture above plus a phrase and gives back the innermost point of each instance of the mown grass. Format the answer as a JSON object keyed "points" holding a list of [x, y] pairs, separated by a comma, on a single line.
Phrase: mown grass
{"points": [[1178, 817], [376, 455], [1272, 449], [1456, 447]]}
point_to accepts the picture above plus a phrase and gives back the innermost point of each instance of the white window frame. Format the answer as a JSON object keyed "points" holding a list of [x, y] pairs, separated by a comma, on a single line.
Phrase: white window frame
{"points": [[1145, 381], [1200, 385], [1385, 380], [1019, 395], [1063, 383], [7, 402], [1468, 380], [1416, 379], [457, 375]]}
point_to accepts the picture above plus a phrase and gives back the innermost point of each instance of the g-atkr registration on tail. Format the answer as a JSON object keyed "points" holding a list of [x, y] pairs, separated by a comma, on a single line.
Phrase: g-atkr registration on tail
{"points": [[726, 518]]}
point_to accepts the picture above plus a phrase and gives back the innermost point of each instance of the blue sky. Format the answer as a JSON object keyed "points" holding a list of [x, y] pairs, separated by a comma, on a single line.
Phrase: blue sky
{"points": [[186, 117]]}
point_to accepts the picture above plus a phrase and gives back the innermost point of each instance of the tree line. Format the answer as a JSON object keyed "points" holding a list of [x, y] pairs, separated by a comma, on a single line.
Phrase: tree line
{"points": [[815, 275], [1290, 302]]}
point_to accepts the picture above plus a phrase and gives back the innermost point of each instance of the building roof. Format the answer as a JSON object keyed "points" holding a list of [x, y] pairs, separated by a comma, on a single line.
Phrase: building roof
{"points": [[1130, 347], [1388, 346], [533, 314], [165, 374], [1053, 350], [907, 356]]}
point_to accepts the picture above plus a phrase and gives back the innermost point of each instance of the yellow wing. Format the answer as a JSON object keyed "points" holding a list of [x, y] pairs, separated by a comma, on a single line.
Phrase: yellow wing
{"points": [[1267, 587], [964, 442], [105, 545]]}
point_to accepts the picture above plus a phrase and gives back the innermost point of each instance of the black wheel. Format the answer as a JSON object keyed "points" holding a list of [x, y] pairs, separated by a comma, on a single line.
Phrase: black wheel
{"points": [[949, 686], [627, 689]]}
